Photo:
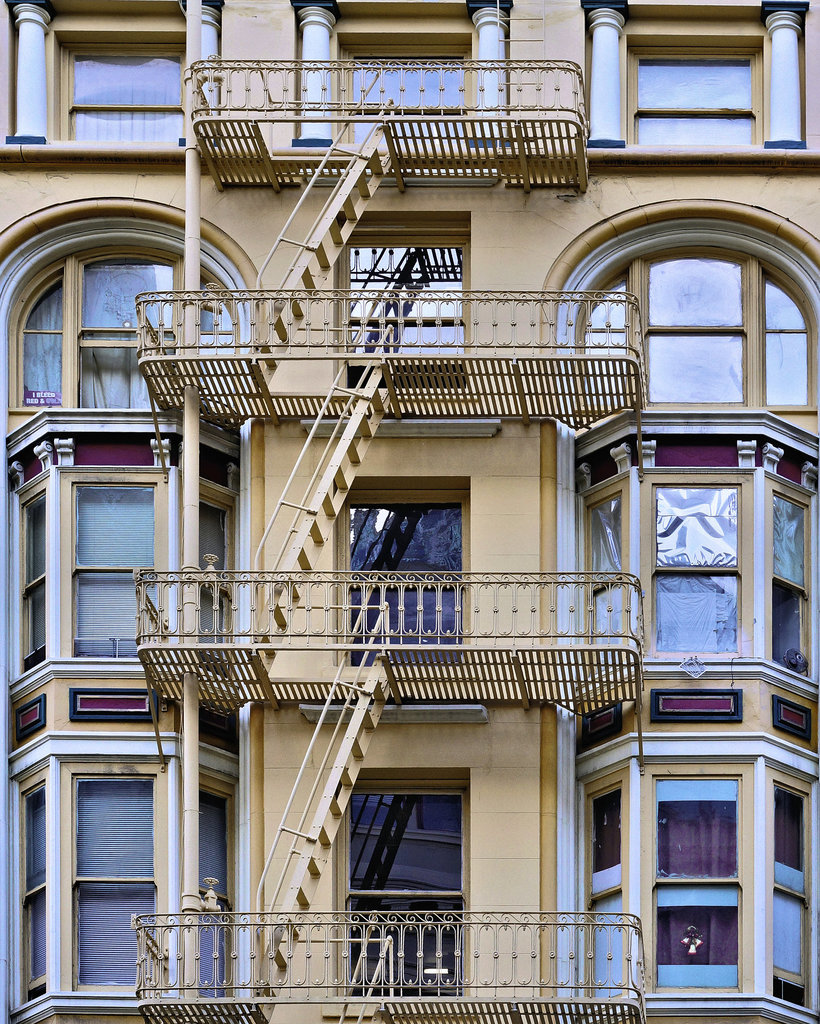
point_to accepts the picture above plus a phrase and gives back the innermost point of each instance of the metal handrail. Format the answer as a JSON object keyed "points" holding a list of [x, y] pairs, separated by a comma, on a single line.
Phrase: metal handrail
{"points": [[444, 955], [306, 610], [387, 89], [334, 323]]}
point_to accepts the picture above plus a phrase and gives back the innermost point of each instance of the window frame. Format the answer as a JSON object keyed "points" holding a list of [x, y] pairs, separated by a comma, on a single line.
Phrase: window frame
{"points": [[32, 986], [749, 52], [69, 108], [755, 272], [790, 785], [742, 482], [776, 486], [743, 882], [222, 790], [69, 271], [72, 775], [130, 476]]}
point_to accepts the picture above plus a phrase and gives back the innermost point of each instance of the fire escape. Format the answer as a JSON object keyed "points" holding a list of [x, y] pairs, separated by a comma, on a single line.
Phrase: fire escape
{"points": [[217, 638]]}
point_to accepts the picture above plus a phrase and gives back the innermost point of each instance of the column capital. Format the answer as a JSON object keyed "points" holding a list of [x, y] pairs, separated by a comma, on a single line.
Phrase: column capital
{"points": [[39, 11], [474, 7], [325, 12], [482, 16], [797, 8], [606, 16], [619, 7]]}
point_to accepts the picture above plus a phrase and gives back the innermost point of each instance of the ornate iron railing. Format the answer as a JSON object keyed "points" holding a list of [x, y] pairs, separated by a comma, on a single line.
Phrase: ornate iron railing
{"points": [[340, 610], [371, 324], [383, 957], [299, 90]]}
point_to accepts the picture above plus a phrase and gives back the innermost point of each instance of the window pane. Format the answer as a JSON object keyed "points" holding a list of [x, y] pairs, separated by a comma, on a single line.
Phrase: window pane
{"points": [[696, 614], [129, 126], [787, 926], [695, 84], [110, 379], [36, 612], [695, 368], [787, 527], [127, 80], [606, 843], [694, 131], [101, 540], [43, 351], [406, 537], [405, 842], [105, 847], [786, 631], [697, 828], [109, 289], [695, 293], [428, 267], [605, 536], [788, 839], [696, 526], [106, 615], [106, 942], [37, 934], [781, 313], [212, 539], [786, 373], [697, 937], [35, 539]]}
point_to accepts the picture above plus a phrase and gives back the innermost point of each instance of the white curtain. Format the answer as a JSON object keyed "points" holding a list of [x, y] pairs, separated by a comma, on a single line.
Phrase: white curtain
{"points": [[115, 84]]}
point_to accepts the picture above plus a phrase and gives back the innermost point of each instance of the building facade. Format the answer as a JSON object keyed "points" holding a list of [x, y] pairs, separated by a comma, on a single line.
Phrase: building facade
{"points": [[435, 384]]}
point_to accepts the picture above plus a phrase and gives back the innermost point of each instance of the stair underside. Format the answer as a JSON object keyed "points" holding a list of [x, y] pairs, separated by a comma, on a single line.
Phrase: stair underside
{"points": [[573, 388], [580, 679]]}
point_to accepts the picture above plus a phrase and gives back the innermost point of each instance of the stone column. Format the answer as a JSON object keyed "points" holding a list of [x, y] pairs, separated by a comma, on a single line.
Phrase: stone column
{"points": [[31, 122], [784, 23], [316, 24], [490, 21], [606, 22], [211, 21]]}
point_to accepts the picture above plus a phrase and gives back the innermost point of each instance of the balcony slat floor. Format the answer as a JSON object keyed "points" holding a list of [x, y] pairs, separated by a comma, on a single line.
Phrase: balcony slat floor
{"points": [[580, 679], [576, 389]]}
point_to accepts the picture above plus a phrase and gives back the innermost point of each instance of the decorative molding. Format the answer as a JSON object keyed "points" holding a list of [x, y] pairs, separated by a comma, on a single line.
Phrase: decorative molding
{"points": [[583, 476], [600, 725], [64, 447], [326, 5], [791, 717], [746, 454], [166, 448], [696, 705], [622, 454], [648, 449], [232, 469], [44, 5], [808, 475], [619, 6], [101, 705], [771, 457], [477, 5], [45, 453], [16, 475], [30, 717]]}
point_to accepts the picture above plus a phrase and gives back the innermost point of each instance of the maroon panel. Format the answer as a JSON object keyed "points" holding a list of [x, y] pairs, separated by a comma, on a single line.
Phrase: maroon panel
{"points": [[676, 453], [113, 451], [709, 703]]}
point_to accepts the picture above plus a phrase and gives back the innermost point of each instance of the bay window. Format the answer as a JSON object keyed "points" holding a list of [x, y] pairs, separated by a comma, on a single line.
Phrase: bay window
{"points": [[696, 569], [126, 98], [114, 875], [696, 883], [105, 556]]}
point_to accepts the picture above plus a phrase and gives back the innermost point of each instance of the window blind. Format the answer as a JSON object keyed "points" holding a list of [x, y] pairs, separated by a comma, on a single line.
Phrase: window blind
{"points": [[115, 526], [107, 945], [212, 534], [115, 828], [36, 838], [106, 615], [35, 539], [213, 840]]}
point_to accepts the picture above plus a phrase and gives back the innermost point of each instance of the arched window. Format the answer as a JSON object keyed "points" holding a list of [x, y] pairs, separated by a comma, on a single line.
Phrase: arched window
{"points": [[720, 330], [78, 334]]}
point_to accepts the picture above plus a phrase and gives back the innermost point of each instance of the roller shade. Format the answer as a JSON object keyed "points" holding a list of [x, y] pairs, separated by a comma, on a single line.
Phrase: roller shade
{"points": [[36, 838]]}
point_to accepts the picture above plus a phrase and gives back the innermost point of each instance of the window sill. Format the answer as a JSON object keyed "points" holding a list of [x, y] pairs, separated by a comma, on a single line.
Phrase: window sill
{"points": [[93, 1005], [740, 158], [94, 153], [719, 1004]]}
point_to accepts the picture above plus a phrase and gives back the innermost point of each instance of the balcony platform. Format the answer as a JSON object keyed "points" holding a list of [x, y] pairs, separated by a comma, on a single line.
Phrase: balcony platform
{"points": [[443, 121], [572, 356], [570, 639], [484, 968]]}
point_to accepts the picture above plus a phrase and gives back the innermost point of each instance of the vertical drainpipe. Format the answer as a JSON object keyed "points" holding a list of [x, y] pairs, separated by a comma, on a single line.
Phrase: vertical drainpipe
{"points": [[190, 507]]}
